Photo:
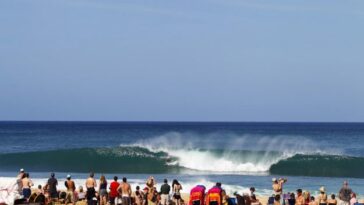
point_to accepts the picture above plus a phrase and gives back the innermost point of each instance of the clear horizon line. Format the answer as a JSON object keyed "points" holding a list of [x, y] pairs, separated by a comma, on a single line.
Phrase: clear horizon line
{"points": [[182, 121]]}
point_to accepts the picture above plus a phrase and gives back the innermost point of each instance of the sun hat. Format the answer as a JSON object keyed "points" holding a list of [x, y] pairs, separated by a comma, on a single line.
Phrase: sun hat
{"points": [[21, 170], [274, 179], [68, 176], [322, 189]]}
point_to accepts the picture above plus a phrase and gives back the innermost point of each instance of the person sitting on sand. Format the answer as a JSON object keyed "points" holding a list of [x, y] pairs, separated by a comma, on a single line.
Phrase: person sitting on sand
{"points": [[52, 187], [332, 200], [39, 190], [322, 198], [71, 187], [81, 195], [278, 185], [345, 194], [300, 200], [254, 200], [103, 190], [26, 185], [353, 199], [114, 190], [277, 199], [239, 199], [125, 192], [91, 192], [313, 201], [177, 187]]}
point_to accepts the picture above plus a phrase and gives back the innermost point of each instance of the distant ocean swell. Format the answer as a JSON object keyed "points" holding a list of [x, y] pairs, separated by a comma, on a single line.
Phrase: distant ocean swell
{"points": [[144, 159]]}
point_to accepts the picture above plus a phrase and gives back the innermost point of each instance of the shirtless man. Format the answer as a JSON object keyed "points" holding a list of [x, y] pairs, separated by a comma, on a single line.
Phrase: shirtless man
{"points": [[90, 185], [26, 185], [19, 181], [300, 200], [70, 185], [125, 192]]}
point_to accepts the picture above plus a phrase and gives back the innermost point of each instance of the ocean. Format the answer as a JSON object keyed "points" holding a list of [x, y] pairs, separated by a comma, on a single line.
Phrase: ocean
{"points": [[239, 155]]}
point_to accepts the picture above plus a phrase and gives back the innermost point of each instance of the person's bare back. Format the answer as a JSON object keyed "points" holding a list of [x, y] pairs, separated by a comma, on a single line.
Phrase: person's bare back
{"points": [[125, 189], [90, 182], [26, 182]]}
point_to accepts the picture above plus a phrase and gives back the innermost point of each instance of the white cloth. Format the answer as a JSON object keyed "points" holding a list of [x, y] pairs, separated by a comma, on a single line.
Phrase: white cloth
{"points": [[9, 192]]}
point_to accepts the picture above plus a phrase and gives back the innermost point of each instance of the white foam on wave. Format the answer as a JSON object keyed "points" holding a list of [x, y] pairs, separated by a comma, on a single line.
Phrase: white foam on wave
{"points": [[186, 149]]}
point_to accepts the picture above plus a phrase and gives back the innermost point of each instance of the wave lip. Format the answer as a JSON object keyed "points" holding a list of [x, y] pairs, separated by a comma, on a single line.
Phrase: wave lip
{"points": [[141, 158]]}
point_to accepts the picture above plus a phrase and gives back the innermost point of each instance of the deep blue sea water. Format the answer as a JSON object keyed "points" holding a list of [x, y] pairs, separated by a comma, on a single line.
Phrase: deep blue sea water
{"points": [[239, 155]]}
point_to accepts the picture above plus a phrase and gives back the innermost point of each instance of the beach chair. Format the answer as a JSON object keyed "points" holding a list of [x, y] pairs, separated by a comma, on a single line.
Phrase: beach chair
{"points": [[197, 195]]}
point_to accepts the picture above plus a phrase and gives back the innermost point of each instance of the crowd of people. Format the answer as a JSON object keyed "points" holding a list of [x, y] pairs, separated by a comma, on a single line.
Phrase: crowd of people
{"points": [[101, 193], [120, 193], [346, 196]]}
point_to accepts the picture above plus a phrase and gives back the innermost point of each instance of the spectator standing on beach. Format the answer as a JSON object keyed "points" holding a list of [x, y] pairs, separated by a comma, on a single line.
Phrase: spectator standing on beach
{"points": [[71, 187], [91, 192], [165, 189], [151, 182], [19, 181], [26, 185], [138, 196], [125, 192], [345, 194], [114, 190], [278, 185], [103, 190], [145, 196], [300, 200], [52, 186], [177, 187], [322, 198]]}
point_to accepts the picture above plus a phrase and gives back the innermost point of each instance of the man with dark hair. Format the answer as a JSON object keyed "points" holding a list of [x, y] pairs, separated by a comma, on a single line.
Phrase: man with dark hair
{"points": [[91, 192], [125, 192], [114, 190], [300, 200], [165, 189], [52, 186]]}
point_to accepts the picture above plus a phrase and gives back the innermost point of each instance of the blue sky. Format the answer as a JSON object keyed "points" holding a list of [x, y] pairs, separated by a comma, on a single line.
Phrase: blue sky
{"points": [[182, 60]]}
